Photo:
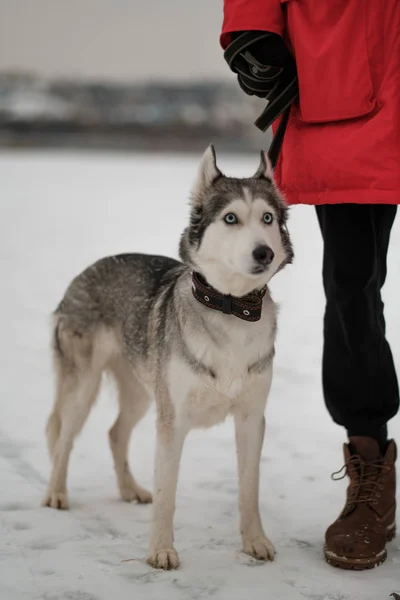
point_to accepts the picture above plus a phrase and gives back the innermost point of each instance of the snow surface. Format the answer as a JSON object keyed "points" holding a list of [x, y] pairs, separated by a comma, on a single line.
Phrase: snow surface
{"points": [[58, 213]]}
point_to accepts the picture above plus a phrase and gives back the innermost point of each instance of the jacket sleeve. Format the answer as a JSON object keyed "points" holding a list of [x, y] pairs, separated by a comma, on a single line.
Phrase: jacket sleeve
{"points": [[252, 15]]}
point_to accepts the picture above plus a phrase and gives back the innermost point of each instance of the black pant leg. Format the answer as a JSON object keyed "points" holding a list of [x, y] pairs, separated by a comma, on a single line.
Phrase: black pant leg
{"points": [[359, 379], [384, 218]]}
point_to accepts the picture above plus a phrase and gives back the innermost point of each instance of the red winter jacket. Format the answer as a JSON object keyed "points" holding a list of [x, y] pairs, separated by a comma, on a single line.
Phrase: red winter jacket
{"points": [[343, 140]]}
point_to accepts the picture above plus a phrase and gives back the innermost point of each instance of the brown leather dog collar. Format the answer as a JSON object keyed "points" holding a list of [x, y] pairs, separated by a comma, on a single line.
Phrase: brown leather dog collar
{"points": [[247, 307]]}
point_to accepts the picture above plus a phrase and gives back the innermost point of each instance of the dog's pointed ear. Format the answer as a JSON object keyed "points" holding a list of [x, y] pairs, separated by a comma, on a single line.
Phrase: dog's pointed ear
{"points": [[265, 169], [208, 172]]}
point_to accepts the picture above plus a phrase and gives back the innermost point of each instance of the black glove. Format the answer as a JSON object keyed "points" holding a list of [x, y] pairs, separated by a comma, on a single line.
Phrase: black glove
{"points": [[262, 62], [265, 68]]}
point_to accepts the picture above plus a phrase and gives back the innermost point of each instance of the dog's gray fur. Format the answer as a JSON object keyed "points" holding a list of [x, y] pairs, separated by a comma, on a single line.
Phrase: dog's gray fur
{"points": [[134, 315]]}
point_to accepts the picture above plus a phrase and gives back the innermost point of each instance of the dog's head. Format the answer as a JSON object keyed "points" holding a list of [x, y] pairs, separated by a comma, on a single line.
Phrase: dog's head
{"points": [[237, 236]]}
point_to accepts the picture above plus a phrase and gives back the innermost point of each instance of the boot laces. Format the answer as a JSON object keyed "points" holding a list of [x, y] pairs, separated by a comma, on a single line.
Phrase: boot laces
{"points": [[365, 488]]}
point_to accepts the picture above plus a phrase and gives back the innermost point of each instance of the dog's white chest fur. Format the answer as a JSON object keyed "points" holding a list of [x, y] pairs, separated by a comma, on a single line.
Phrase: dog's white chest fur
{"points": [[229, 367]]}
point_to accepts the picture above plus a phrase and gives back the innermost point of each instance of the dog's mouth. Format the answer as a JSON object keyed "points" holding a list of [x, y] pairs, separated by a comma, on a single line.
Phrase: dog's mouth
{"points": [[259, 269]]}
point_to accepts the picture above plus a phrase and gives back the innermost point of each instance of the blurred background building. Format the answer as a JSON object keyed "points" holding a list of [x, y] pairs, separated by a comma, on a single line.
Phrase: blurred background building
{"points": [[120, 74]]}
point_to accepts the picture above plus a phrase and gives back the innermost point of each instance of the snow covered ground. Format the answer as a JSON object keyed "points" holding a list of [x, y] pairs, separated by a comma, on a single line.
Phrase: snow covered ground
{"points": [[58, 213]]}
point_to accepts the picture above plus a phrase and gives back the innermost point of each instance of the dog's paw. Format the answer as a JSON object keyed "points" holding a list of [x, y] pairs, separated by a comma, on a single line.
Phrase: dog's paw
{"points": [[56, 500], [132, 493], [166, 558], [259, 547]]}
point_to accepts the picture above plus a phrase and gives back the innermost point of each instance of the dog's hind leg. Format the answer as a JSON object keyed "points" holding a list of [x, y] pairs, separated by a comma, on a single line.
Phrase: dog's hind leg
{"points": [[133, 403], [78, 380]]}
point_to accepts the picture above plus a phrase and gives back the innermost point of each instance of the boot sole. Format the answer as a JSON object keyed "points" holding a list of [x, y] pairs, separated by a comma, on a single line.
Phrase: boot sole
{"points": [[360, 564]]}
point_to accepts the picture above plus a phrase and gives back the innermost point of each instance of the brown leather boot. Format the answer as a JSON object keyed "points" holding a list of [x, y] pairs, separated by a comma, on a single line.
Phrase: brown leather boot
{"points": [[357, 539]]}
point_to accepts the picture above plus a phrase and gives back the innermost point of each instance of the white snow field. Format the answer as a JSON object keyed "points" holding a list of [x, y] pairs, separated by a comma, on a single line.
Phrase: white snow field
{"points": [[58, 213]]}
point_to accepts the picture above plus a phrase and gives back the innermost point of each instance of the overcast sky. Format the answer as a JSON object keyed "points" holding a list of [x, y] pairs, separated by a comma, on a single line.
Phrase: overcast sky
{"points": [[119, 39]]}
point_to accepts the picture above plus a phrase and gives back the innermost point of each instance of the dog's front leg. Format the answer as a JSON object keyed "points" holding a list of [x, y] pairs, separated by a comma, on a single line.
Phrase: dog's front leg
{"points": [[170, 439], [249, 430]]}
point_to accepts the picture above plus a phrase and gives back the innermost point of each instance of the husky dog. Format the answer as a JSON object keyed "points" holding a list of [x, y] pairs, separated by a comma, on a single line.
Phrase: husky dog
{"points": [[197, 335]]}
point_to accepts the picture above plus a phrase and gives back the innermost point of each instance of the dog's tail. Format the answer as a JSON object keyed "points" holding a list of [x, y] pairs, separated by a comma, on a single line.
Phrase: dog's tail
{"points": [[63, 346], [57, 349], [53, 426]]}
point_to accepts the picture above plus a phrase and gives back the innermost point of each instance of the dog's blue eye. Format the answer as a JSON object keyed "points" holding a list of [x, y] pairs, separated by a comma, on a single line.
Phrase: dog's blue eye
{"points": [[230, 219], [268, 218]]}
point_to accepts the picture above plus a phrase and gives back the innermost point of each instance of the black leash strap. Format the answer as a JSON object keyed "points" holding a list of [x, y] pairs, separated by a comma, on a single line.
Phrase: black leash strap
{"points": [[277, 141], [265, 80], [279, 106]]}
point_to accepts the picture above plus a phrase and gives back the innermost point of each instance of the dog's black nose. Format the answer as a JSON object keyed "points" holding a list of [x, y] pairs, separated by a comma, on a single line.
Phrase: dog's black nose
{"points": [[264, 255]]}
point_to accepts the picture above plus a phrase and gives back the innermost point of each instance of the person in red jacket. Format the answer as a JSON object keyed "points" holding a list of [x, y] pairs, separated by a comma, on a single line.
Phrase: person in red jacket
{"points": [[341, 153]]}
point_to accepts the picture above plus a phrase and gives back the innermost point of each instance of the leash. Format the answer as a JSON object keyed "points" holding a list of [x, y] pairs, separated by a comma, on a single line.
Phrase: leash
{"points": [[277, 141], [278, 85], [279, 106]]}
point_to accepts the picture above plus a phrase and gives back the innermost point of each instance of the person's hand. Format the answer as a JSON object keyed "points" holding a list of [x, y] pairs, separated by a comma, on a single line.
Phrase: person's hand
{"points": [[263, 64]]}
